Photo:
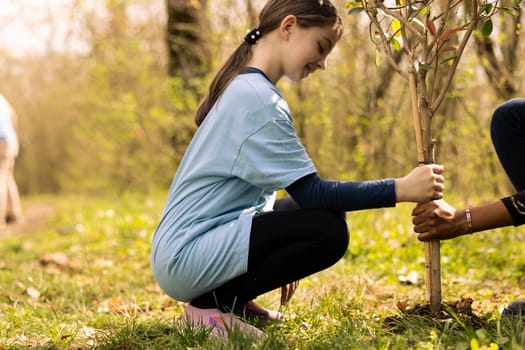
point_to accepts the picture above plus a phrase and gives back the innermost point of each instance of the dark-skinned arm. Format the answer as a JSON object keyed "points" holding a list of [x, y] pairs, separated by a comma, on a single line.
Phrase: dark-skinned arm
{"points": [[439, 220]]}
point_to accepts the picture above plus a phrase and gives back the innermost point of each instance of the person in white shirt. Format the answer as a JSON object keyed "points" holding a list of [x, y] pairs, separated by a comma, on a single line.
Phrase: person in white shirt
{"points": [[10, 207]]}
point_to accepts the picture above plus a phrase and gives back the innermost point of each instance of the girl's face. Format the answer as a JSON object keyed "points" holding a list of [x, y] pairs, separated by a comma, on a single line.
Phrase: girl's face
{"points": [[307, 50]]}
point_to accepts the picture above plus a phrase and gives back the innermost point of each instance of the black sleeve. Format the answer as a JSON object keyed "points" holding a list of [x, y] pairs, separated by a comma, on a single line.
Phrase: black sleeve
{"points": [[516, 206], [311, 191]]}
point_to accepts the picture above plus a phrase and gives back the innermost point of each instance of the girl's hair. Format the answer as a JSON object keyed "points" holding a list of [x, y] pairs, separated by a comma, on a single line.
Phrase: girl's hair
{"points": [[309, 13]]}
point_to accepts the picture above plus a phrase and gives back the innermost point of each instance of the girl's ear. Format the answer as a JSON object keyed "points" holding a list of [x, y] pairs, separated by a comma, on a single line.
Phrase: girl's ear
{"points": [[287, 25]]}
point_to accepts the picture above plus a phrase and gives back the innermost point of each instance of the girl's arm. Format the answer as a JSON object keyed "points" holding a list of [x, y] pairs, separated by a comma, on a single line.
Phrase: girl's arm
{"points": [[422, 184]]}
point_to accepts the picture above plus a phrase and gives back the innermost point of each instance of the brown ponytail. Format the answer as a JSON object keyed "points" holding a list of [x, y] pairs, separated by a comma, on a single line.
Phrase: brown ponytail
{"points": [[309, 13]]}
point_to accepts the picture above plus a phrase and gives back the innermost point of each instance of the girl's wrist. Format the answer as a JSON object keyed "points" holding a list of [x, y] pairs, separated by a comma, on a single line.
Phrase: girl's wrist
{"points": [[396, 189], [399, 189]]}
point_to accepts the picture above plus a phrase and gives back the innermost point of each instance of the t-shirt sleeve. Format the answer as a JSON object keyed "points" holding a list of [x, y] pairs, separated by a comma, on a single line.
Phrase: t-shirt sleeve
{"points": [[515, 205], [272, 157]]}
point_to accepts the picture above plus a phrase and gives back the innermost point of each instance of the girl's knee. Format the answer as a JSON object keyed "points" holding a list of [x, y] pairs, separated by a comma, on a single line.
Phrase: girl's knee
{"points": [[339, 235]]}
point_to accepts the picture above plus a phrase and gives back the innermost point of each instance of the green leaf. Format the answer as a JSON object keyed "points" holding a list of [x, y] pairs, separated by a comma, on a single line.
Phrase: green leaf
{"points": [[425, 66], [448, 60], [424, 10], [379, 58], [395, 44], [396, 27], [418, 22], [487, 27], [355, 10], [508, 11]]}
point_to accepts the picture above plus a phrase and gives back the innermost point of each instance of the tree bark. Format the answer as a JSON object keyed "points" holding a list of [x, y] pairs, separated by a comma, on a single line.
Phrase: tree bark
{"points": [[186, 36]]}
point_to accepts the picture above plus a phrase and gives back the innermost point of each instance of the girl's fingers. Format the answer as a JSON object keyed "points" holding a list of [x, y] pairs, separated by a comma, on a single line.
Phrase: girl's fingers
{"points": [[436, 168]]}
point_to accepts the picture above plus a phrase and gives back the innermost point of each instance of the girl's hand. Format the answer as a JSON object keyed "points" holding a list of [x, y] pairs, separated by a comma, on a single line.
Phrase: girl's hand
{"points": [[438, 220], [422, 184], [287, 292]]}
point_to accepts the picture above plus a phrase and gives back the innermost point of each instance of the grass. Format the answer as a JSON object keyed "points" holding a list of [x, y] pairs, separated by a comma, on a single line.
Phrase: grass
{"points": [[83, 281]]}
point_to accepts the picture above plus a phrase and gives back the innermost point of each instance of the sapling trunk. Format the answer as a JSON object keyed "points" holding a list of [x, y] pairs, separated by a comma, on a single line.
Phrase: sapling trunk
{"points": [[432, 35], [421, 115]]}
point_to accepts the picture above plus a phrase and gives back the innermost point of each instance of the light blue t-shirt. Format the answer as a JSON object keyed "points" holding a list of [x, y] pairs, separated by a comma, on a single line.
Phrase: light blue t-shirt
{"points": [[7, 130], [245, 150]]}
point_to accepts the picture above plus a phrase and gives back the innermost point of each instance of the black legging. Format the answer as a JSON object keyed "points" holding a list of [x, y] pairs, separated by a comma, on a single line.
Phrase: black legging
{"points": [[508, 136], [286, 244]]}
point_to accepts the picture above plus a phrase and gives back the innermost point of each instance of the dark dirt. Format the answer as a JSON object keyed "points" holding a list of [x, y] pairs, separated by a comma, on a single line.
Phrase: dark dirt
{"points": [[459, 311], [35, 216]]}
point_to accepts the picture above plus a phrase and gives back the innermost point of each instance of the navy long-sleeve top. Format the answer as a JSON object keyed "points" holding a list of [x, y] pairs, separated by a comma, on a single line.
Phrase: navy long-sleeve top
{"points": [[311, 191]]}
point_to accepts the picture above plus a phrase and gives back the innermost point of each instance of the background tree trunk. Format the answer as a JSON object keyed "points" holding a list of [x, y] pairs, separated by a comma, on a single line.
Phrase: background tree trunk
{"points": [[187, 34]]}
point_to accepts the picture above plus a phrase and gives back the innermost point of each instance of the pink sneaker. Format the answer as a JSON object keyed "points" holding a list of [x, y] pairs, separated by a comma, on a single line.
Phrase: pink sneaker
{"points": [[219, 322], [252, 309]]}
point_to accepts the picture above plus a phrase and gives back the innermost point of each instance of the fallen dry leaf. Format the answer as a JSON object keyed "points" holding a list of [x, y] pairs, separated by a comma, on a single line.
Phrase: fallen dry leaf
{"points": [[117, 305], [411, 278], [33, 292], [41, 342], [103, 263], [59, 259], [402, 305]]}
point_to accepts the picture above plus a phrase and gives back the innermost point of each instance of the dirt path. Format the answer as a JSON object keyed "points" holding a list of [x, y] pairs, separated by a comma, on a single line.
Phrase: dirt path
{"points": [[35, 215]]}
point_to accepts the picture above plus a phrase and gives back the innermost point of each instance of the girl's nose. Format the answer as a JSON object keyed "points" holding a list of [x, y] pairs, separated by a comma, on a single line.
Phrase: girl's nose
{"points": [[321, 64]]}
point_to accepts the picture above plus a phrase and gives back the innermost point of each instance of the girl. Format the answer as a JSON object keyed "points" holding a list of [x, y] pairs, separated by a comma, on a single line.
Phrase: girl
{"points": [[219, 244]]}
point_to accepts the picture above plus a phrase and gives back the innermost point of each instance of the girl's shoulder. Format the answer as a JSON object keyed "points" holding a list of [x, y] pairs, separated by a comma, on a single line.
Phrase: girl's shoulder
{"points": [[254, 85], [254, 91]]}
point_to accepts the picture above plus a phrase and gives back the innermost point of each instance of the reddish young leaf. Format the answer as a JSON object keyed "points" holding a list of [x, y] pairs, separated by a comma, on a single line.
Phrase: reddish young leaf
{"points": [[431, 27], [448, 32], [449, 49]]}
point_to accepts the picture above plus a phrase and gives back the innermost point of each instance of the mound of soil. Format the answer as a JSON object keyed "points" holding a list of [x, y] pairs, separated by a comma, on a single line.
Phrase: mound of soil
{"points": [[459, 311]]}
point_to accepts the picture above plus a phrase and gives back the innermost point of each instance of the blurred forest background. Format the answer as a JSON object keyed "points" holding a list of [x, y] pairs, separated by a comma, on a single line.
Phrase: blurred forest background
{"points": [[107, 102]]}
